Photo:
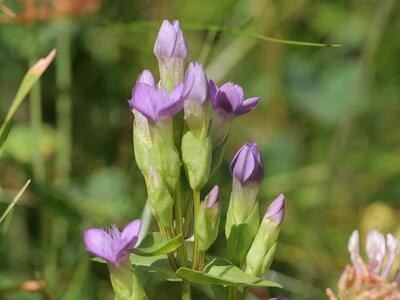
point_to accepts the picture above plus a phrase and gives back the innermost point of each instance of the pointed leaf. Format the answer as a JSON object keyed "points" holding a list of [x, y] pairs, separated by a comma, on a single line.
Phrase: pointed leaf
{"points": [[27, 83], [156, 244], [158, 265], [221, 272]]}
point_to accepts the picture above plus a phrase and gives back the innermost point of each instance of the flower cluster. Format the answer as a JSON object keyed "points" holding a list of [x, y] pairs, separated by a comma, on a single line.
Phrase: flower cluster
{"points": [[181, 126], [371, 280]]}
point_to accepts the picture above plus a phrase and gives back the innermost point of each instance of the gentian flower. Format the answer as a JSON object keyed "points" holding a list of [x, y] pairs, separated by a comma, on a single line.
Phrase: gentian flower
{"points": [[247, 165], [228, 100], [154, 102], [110, 244], [276, 210], [195, 83], [171, 51], [243, 217], [170, 43]]}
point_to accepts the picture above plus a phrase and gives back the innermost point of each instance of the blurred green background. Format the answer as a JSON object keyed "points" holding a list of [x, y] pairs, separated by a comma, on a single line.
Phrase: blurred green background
{"points": [[328, 126]]}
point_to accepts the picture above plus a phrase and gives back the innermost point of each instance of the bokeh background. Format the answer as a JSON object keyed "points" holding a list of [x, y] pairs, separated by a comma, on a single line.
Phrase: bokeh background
{"points": [[328, 126]]}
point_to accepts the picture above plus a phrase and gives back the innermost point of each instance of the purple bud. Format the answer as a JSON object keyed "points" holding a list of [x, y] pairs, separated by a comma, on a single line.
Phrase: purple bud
{"points": [[280, 297], [170, 42], [155, 103], [376, 249], [112, 245], [276, 210], [247, 164], [195, 83], [211, 200], [229, 99]]}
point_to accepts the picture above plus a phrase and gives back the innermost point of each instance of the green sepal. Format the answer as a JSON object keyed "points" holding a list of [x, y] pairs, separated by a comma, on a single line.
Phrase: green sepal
{"points": [[207, 226], [261, 252], [165, 159], [196, 155], [160, 198], [125, 284], [240, 235]]}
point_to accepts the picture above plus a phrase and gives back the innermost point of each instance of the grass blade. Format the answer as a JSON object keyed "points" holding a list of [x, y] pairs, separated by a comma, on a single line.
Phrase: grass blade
{"points": [[27, 83], [14, 202]]}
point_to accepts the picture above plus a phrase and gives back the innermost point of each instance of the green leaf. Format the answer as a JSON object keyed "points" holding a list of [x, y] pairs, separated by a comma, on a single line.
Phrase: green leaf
{"points": [[221, 272], [156, 244], [27, 83], [158, 265]]}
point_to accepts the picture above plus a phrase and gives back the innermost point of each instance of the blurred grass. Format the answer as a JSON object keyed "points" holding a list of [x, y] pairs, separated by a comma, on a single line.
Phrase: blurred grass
{"points": [[328, 126]]}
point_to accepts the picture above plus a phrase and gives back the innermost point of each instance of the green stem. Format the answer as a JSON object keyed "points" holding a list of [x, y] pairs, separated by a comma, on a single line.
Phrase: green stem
{"points": [[182, 254], [188, 215], [167, 232], [196, 251], [232, 293], [245, 293], [186, 295], [63, 104]]}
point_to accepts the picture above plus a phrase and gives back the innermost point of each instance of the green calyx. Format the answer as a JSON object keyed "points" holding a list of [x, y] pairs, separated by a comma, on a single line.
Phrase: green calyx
{"points": [[207, 226], [261, 253]]}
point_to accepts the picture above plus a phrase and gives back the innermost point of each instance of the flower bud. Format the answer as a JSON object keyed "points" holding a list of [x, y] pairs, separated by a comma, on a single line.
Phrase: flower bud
{"points": [[276, 210], [207, 223], [195, 95], [243, 212], [247, 165], [171, 50], [261, 253], [195, 84]]}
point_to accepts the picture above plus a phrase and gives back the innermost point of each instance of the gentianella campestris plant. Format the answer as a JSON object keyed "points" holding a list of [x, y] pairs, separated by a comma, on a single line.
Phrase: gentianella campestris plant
{"points": [[181, 125]]}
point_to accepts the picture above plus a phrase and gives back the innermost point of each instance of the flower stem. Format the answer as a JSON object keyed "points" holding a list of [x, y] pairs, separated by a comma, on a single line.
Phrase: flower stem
{"points": [[232, 293], [167, 233], [196, 252], [245, 293], [182, 254], [188, 214], [186, 295]]}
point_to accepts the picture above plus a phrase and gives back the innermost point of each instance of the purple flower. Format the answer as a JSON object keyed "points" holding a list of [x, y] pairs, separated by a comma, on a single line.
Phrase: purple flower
{"points": [[152, 102], [376, 249], [229, 99], [393, 249], [211, 200], [170, 42], [276, 210], [247, 164], [112, 245], [195, 83]]}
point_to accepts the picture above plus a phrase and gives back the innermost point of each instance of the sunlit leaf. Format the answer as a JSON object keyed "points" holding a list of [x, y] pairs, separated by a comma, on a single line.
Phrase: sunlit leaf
{"points": [[222, 272], [156, 244]]}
